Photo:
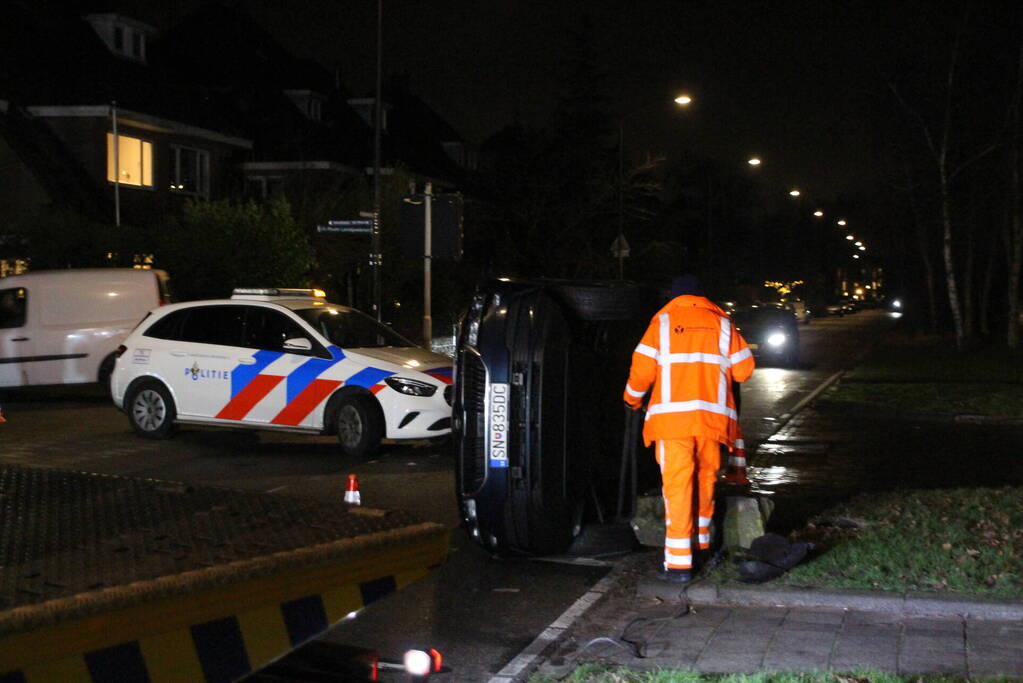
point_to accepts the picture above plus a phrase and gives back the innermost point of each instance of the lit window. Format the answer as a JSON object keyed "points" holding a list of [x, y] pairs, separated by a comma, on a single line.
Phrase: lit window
{"points": [[134, 161], [191, 170]]}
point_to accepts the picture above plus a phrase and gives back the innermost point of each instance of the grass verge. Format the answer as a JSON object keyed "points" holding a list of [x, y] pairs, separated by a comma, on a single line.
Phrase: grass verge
{"points": [[966, 541], [927, 375], [594, 673]]}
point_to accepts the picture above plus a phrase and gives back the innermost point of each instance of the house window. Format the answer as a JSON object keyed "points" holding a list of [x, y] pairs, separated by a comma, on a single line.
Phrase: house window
{"points": [[264, 187], [191, 170], [134, 161]]}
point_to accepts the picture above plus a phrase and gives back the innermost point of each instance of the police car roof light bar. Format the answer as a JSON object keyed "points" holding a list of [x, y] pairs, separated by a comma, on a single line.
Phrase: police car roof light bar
{"points": [[279, 291]]}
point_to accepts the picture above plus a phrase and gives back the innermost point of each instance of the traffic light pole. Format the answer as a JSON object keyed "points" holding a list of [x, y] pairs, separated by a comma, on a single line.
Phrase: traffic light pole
{"points": [[376, 257], [427, 266]]}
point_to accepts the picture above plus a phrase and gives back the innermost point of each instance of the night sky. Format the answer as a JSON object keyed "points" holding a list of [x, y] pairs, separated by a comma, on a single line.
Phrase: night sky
{"points": [[797, 82]]}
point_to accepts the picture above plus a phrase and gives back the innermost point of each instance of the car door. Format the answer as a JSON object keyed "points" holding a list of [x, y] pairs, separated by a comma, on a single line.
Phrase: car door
{"points": [[283, 383], [201, 360], [14, 337]]}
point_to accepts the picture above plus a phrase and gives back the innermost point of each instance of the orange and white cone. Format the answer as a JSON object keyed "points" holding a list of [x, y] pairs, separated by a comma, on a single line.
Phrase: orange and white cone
{"points": [[352, 496], [736, 472]]}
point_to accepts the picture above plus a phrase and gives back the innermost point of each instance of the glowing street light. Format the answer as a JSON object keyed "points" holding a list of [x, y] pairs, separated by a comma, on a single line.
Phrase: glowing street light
{"points": [[856, 255], [754, 161], [794, 192], [858, 243], [683, 100], [862, 248], [841, 221], [849, 237], [818, 213]]}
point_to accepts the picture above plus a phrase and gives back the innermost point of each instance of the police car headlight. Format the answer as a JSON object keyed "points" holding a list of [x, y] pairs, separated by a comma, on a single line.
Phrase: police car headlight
{"points": [[411, 387], [776, 339]]}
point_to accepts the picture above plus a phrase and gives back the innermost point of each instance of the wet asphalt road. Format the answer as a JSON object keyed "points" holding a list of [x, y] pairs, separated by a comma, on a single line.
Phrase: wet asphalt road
{"points": [[478, 610]]}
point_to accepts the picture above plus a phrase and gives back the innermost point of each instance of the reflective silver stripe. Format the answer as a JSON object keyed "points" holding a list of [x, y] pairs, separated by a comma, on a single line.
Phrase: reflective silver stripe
{"points": [[632, 392], [736, 461], [691, 358], [703, 521], [683, 543], [665, 342], [739, 443], [678, 559], [688, 406], [704, 538], [740, 356], [647, 351], [724, 340]]}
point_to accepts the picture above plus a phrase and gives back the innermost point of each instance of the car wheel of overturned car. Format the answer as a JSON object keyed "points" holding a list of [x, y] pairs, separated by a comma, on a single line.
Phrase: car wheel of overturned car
{"points": [[151, 410], [599, 300], [360, 426]]}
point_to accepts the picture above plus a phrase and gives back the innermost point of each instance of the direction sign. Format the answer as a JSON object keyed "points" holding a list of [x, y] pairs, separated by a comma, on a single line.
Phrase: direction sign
{"points": [[356, 226], [620, 247]]}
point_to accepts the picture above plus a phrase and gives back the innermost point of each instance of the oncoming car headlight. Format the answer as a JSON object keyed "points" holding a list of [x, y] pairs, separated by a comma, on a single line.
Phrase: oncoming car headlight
{"points": [[411, 387], [776, 339]]}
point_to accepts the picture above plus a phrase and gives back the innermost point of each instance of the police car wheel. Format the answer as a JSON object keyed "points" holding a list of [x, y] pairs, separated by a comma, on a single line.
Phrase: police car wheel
{"points": [[151, 410], [359, 428]]}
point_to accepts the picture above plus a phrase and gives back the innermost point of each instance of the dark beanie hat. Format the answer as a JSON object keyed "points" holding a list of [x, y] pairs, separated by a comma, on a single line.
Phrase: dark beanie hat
{"points": [[685, 284]]}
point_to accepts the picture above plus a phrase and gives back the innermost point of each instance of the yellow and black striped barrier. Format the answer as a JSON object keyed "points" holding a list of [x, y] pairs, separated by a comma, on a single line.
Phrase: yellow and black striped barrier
{"points": [[214, 622]]}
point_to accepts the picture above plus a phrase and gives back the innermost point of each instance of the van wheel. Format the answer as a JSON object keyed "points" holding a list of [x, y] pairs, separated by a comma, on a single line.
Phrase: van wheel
{"points": [[360, 426], [151, 410]]}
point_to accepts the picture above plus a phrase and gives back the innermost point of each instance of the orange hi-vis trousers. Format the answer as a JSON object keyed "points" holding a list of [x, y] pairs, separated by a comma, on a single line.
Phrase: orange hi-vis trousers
{"points": [[679, 459]]}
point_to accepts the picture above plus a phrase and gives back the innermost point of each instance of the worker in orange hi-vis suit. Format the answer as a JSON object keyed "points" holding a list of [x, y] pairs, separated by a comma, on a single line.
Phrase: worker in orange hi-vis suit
{"points": [[688, 357]]}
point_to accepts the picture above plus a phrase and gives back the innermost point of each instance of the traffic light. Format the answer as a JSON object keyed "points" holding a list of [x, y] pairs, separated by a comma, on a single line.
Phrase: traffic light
{"points": [[446, 227]]}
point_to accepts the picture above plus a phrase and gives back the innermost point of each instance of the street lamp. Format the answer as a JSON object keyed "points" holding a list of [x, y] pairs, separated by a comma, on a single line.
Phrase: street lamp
{"points": [[794, 192], [818, 213], [682, 100], [754, 161], [841, 221]]}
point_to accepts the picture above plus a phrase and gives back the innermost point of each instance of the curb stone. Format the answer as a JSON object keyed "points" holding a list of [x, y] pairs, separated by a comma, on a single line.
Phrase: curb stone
{"points": [[888, 602]]}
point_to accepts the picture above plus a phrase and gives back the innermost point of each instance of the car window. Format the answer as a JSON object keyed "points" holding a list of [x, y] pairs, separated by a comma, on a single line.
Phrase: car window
{"points": [[352, 329], [13, 303], [220, 325], [168, 327], [268, 329]]}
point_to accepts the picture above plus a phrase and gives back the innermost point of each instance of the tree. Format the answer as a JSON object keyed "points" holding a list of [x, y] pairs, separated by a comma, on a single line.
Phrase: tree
{"points": [[215, 246]]}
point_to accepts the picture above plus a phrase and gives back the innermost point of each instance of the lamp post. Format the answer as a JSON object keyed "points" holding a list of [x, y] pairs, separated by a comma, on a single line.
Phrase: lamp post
{"points": [[682, 100]]}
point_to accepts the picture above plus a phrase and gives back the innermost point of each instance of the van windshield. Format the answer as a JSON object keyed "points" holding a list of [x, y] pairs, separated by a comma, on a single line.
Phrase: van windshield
{"points": [[351, 329]]}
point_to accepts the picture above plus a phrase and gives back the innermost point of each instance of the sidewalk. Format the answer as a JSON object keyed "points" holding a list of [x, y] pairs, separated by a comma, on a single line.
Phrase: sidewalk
{"points": [[643, 623]]}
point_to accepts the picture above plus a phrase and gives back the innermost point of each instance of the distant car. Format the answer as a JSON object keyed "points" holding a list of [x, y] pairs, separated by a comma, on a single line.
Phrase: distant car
{"points": [[771, 331], [283, 360]]}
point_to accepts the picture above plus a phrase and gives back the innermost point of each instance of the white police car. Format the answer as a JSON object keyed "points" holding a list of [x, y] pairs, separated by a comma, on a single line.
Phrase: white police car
{"points": [[280, 359]]}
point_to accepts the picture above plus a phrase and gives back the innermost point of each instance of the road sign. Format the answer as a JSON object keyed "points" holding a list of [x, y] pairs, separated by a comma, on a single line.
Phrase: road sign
{"points": [[356, 226], [620, 248]]}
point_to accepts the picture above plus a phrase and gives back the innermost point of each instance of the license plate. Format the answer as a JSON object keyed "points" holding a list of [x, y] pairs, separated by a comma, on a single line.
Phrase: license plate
{"points": [[497, 437]]}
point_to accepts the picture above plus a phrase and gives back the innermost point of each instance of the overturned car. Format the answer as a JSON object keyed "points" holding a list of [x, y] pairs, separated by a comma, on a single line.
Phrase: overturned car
{"points": [[537, 415]]}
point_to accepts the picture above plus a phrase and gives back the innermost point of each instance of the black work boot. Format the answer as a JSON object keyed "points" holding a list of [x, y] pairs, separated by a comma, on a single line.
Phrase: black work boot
{"points": [[676, 575]]}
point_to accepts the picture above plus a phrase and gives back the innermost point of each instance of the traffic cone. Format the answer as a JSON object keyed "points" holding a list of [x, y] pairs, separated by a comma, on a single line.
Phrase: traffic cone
{"points": [[736, 472], [352, 491]]}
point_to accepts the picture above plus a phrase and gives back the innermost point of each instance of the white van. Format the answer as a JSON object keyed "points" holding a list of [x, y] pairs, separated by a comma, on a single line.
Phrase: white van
{"points": [[64, 326]]}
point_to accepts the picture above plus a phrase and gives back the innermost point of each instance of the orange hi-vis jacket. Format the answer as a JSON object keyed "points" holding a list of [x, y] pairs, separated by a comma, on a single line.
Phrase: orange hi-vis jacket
{"points": [[689, 354]]}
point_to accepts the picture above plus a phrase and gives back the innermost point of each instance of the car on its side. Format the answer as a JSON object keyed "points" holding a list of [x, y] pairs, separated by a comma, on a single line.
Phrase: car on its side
{"points": [[772, 332], [285, 360]]}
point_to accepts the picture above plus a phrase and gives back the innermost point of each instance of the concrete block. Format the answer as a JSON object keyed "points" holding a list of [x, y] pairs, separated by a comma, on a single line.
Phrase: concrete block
{"points": [[744, 522], [648, 522]]}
